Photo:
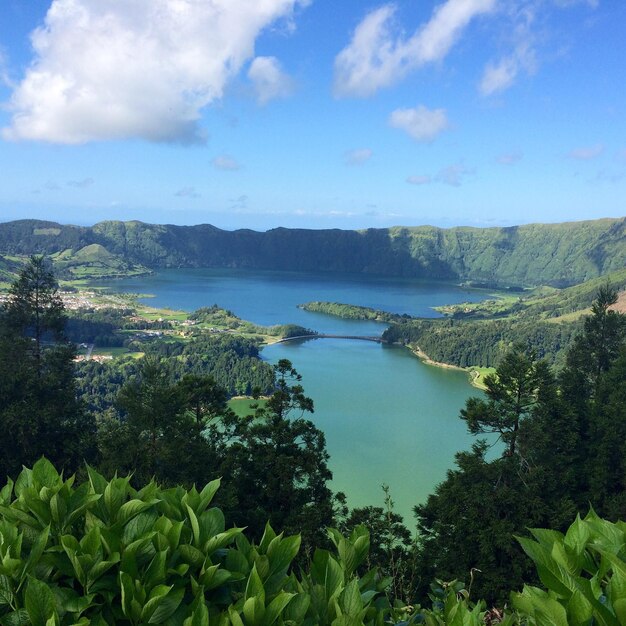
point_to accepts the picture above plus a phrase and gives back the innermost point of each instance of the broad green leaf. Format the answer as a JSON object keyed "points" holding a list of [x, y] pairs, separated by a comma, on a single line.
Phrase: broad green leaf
{"points": [[156, 572], [211, 523], [130, 509], [276, 607], [16, 618], [157, 595], [38, 602], [44, 474], [268, 535], [191, 555], [281, 552], [6, 492], [234, 616], [195, 527], [347, 555], [6, 591], [254, 587], [200, 615], [126, 583], [350, 599], [254, 610], [139, 526], [333, 580], [214, 577], [221, 540], [36, 551], [579, 609], [206, 495], [297, 608], [577, 536], [15, 515]]}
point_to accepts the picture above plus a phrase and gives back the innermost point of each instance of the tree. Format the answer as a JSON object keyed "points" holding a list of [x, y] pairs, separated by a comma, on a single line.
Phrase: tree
{"points": [[289, 393], [392, 549], [34, 308], [276, 467], [39, 410], [512, 392], [601, 340], [203, 397], [156, 437]]}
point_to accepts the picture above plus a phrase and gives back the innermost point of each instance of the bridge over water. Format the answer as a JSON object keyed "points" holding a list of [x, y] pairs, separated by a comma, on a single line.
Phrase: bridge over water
{"points": [[324, 336]]}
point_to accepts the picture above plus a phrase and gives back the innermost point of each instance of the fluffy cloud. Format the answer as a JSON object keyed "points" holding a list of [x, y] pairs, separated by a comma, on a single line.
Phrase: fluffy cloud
{"points": [[225, 162], [523, 42], [378, 57], [420, 123], [358, 157], [501, 74], [269, 80], [586, 153], [112, 70]]}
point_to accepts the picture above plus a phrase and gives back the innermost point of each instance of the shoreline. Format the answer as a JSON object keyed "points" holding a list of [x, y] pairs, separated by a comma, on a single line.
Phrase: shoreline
{"points": [[424, 358]]}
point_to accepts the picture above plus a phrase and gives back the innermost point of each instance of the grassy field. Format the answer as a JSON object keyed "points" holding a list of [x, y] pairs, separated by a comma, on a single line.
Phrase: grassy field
{"points": [[241, 406], [478, 375]]}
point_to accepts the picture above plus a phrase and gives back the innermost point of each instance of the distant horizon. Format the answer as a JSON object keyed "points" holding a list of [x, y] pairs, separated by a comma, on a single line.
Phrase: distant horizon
{"points": [[189, 225]]}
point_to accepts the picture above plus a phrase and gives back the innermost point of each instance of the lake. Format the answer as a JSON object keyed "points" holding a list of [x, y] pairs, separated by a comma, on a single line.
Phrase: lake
{"points": [[387, 417]]}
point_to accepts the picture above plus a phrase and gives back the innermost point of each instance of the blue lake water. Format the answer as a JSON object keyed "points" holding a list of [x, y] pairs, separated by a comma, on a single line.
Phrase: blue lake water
{"points": [[388, 418]]}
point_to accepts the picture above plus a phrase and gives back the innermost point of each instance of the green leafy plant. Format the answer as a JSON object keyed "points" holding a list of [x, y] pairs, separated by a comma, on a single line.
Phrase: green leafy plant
{"points": [[584, 573], [103, 553]]}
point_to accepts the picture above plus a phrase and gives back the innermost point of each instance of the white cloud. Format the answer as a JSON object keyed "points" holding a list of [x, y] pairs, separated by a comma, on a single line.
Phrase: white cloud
{"points": [[225, 162], [420, 123], [419, 180], [269, 80], [586, 153], [358, 157], [109, 69], [501, 74], [378, 57], [5, 79], [509, 158]]}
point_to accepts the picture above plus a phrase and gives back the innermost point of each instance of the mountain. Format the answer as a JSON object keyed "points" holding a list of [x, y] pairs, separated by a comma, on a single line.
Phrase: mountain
{"points": [[536, 254]]}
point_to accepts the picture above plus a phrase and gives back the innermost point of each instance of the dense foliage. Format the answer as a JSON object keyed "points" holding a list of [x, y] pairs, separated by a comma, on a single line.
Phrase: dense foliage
{"points": [[108, 553], [534, 254], [103, 553], [352, 312], [483, 343], [39, 410], [563, 450]]}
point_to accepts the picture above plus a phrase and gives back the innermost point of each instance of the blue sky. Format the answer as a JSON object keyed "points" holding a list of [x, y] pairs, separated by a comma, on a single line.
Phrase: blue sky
{"points": [[313, 114]]}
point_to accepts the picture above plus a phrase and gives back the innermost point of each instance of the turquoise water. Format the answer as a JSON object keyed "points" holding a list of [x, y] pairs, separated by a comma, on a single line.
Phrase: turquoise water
{"points": [[388, 418]]}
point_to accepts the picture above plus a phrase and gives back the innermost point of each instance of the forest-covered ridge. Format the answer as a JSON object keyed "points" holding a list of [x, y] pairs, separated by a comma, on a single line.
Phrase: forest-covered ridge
{"points": [[478, 334], [529, 255]]}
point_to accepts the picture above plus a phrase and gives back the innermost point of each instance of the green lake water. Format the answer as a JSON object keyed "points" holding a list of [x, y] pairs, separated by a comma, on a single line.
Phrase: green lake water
{"points": [[387, 417]]}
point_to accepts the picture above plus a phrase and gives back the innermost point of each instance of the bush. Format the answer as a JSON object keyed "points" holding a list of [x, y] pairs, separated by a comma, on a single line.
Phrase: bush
{"points": [[104, 553]]}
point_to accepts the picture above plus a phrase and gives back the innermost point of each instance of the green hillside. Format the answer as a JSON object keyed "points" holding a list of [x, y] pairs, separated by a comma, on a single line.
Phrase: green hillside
{"points": [[536, 254], [94, 261], [479, 334]]}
